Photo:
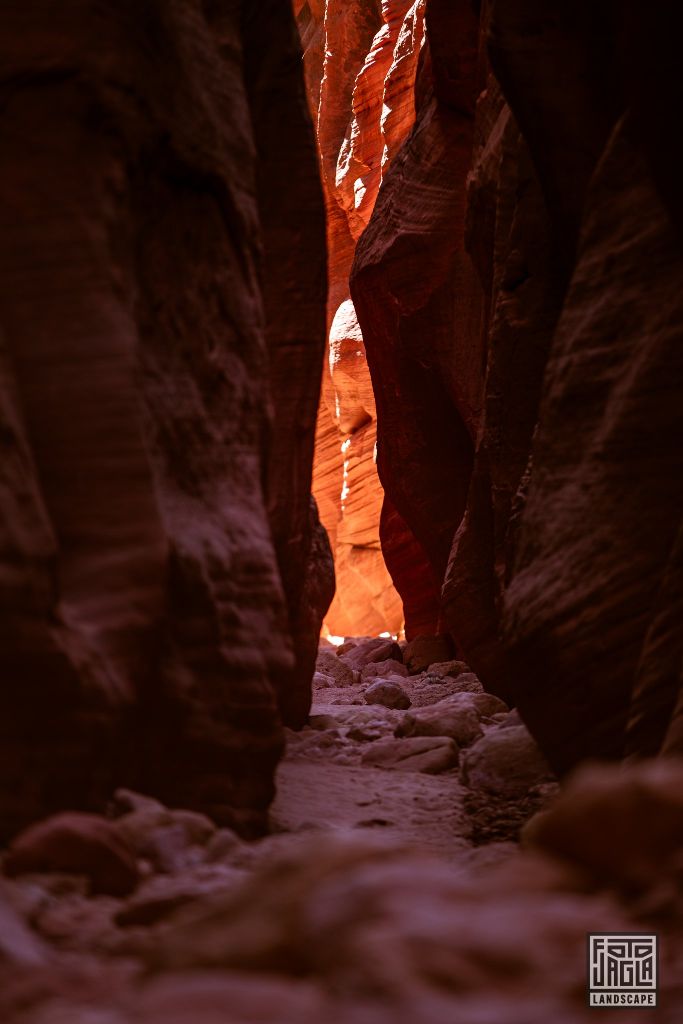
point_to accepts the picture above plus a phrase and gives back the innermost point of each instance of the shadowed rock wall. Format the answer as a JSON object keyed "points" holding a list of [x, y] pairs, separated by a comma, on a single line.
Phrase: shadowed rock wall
{"points": [[411, 282], [162, 574], [518, 292]]}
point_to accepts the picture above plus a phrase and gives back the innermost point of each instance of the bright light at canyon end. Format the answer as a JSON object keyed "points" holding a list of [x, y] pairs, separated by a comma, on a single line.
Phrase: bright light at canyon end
{"points": [[336, 641]]}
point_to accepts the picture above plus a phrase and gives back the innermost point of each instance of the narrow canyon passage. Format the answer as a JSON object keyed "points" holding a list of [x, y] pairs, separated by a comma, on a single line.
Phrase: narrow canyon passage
{"points": [[341, 493]]}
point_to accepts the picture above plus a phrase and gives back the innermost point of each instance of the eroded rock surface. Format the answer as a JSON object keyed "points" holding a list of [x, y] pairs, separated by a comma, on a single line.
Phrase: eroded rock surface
{"points": [[388, 692], [364, 109], [162, 573], [527, 370]]}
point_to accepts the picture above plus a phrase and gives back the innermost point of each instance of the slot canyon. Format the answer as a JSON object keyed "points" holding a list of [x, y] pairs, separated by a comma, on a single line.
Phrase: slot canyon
{"points": [[341, 583]]}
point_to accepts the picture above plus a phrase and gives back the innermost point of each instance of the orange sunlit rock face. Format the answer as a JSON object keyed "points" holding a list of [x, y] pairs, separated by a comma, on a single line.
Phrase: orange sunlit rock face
{"points": [[360, 66]]}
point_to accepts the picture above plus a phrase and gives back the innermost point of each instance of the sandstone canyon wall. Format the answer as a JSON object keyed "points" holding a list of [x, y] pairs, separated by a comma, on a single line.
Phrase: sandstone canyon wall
{"points": [[163, 575], [361, 59], [518, 290], [501, 184]]}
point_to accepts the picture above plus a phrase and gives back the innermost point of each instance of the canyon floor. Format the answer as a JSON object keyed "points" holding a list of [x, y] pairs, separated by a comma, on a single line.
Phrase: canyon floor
{"points": [[392, 886]]}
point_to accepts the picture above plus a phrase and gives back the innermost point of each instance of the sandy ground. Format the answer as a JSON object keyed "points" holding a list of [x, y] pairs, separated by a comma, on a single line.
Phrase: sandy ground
{"points": [[377, 899], [322, 785], [422, 809]]}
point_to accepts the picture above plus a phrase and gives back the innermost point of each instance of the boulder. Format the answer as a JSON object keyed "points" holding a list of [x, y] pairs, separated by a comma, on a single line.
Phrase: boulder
{"points": [[329, 664], [421, 652], [371, 651], [323, 681], [382, 669], [387, 692], [457, 717], [171, 840], [466, 682], [505, 762], [622, 825], [449, 668], [363, 723], [81, 844], [429, 754]]}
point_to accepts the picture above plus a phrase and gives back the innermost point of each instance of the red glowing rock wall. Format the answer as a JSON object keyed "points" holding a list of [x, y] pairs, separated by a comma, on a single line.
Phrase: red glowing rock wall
{"points": [[366, 55]]}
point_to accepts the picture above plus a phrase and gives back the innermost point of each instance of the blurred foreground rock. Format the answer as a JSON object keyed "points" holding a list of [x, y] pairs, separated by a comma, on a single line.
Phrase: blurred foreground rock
{"points": [[338, 927]]}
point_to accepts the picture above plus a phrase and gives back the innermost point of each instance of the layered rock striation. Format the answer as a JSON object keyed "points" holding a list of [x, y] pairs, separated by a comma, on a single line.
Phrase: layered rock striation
{"points": [[518, 292], [366, 55], [162, 572], [411, 282]]}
